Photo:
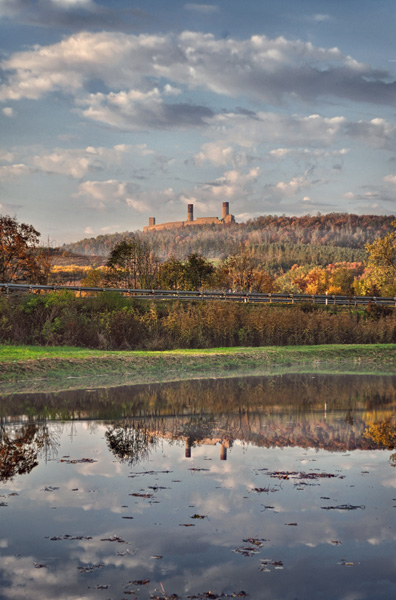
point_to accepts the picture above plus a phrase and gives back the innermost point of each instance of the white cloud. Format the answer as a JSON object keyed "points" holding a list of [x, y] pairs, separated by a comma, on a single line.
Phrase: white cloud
{"points": [[320, 18], [390, 179], [104, 194], [270, 70], [70, 14], [87, 4], [202, 8], [377, 132], [292, 187], [136, 110], [74, 163], [12, 171], [8, 112], [299, 135], [78, 162], [6, 156], [218, 154]]}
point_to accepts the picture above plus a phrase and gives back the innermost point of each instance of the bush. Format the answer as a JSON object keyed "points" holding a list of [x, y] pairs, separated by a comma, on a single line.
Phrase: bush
{"points": [[114, 322]]}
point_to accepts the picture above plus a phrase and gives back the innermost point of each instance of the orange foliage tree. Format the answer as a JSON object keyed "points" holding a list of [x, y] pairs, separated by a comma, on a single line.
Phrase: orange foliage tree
{"points": [[21, 258]]}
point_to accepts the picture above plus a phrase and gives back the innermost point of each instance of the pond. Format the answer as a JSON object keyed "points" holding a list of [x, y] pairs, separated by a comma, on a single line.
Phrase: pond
{"points": [[278, 487]]}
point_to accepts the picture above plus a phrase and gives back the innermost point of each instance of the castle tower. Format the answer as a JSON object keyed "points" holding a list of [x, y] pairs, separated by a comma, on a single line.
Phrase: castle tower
{"points": [[190, 212], [226, 209], [151, 221]]}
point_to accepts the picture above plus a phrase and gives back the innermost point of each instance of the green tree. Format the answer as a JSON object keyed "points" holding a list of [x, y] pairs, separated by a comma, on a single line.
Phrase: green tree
{"points": [[198, 272], [21, 258], [132, 265], [172, 274], [191, 274]]}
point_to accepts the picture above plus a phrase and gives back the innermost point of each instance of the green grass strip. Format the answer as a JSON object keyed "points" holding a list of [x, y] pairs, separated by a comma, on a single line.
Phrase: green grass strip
{"points": [[27, 368]]}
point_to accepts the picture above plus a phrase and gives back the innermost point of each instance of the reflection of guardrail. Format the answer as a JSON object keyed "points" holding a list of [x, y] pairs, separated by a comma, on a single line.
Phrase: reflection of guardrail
{"points": [[326, 299]]}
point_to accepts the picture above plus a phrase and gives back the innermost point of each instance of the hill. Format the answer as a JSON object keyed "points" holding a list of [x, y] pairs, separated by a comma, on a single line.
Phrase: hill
{"points": [[280, 242]]}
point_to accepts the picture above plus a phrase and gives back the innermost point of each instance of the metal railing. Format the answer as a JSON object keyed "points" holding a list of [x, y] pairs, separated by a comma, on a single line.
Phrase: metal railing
{"points": [[278, 298]]}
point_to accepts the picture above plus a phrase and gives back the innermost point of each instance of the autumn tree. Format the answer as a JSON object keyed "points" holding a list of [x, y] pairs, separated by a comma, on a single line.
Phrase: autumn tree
{"points": [[381, 266], [242, 272], [21, 258]]}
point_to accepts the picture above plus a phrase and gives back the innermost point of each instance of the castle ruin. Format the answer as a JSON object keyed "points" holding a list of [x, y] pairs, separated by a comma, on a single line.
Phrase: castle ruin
{"points": [[226, 219]]}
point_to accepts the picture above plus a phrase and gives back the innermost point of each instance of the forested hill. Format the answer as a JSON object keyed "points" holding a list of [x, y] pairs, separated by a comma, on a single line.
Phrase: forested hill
{"points": [[340, 236]]}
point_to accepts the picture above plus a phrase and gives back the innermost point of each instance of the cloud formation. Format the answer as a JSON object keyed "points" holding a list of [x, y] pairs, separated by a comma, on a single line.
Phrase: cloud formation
{"points": [[269, 70], [69, 14]]}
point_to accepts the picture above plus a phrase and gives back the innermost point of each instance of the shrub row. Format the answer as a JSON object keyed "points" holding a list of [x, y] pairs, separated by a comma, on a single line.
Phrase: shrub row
{"points": [[113, 322]]}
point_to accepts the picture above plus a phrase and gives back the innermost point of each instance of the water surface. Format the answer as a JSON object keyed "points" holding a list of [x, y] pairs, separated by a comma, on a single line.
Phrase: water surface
{"points": [[270, 487]]}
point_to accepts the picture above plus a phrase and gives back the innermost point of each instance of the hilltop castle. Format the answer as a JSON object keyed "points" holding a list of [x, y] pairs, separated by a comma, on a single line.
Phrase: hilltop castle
{"points": [[226, 218]]}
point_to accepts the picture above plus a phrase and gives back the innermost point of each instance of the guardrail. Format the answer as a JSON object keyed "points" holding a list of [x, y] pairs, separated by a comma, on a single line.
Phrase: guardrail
{"points": [[324, 299]]}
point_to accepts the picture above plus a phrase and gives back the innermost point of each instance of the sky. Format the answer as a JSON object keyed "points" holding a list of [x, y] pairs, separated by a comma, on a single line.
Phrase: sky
{"points": [[115, 111]]}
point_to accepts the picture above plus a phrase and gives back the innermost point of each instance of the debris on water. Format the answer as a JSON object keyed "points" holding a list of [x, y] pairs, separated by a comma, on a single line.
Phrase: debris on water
{"points": [[196, 516], [209, 595], [76, 461], [260, 490], [292, 524], [114, 538], [40, 565], [267, 563], [139, 582], [344, 507], [302, 475], [50, 488], [3, 504], [148, 473], [198, 469], [336, 542], [186, 525], [57, 538], [90, 568], [246, 550], [255, 541], [345, 563], [127, 517], [144, 495], [156, 557]]}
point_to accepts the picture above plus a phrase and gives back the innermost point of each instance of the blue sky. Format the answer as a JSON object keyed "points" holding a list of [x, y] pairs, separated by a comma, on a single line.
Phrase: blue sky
{"points": [[111, 112]]}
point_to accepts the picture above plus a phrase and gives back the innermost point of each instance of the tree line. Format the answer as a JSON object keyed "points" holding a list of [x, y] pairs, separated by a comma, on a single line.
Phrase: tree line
{"points": [[133, 263], [339, 230]]}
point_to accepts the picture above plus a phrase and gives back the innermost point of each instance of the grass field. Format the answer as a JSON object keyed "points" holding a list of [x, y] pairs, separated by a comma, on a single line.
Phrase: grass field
{"points": [[24, 368]]}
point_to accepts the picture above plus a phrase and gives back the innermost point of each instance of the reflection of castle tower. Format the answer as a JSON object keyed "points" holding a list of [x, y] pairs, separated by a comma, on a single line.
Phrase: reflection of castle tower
{"points": [[223, 451], [224, 445], [225, 220], [187, 448]]}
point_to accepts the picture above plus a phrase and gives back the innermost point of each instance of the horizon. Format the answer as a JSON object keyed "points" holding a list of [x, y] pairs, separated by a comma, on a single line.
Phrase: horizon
{"points": [[112, 112]]}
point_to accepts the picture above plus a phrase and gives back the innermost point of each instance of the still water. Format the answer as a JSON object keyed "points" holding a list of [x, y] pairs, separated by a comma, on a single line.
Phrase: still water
{"points": [[279, 487]]}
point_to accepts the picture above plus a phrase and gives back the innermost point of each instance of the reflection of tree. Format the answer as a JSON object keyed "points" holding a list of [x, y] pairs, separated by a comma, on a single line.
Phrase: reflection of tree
{"points": [[128, 443], [383, 433], [20, 448]]}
